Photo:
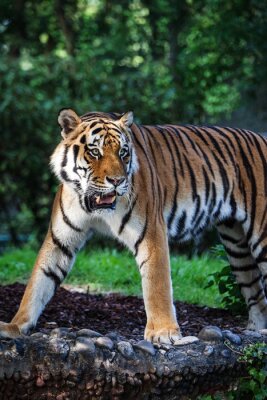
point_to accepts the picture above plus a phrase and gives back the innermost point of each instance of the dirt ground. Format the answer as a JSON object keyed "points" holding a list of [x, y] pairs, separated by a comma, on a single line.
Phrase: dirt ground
{"points": [[112, 313]]}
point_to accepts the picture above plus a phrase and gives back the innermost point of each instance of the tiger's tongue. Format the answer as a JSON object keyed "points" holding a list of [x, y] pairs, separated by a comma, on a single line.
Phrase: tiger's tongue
{"points": [[109, 199]]}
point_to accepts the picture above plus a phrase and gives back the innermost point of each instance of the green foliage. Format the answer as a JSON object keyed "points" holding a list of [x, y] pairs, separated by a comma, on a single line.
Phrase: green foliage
{"points": [[232, 298], [168, 61], [255, 386], [111, 270]]}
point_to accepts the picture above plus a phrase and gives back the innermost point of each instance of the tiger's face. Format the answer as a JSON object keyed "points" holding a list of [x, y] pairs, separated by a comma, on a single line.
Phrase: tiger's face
{"points": [[96, 158]]}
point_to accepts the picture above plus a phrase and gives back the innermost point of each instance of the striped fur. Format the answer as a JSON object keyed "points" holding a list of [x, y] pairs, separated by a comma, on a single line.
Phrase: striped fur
{"points": [[170, 182]]}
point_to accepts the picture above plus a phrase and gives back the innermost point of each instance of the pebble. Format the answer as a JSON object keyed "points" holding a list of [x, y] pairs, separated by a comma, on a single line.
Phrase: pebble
{"points": [[234, 338], [146, 346], [39, 335], [84, 345], [208, 351], [50, 325], [193, 353], [186, 340], [211, 334], [105, 342], [226, 353], [88, 333], [126, 349]]}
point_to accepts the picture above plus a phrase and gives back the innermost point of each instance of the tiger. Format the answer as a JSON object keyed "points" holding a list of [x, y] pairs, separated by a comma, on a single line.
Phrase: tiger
{"points": [[146, 185]]}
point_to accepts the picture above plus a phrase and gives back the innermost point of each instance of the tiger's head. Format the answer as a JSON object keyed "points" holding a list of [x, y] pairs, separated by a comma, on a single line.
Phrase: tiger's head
{"points": [[96, 157]]}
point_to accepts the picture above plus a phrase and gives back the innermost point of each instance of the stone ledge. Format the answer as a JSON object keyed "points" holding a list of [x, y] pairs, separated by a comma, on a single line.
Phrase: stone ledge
{"points": [[67, 364]]}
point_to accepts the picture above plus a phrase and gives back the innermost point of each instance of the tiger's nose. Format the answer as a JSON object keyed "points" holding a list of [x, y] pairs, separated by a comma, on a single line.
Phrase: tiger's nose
{"points": [[115, 181]]}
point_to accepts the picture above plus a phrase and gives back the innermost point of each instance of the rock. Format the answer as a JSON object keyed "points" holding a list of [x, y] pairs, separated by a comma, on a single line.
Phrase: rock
{"points": [[88, 333], [146, 346], [253, 334], [193, 353], [59, 346], [105, 342], [235, 339], [211, 334], [19, 346], [208, 351], [126, 349], [84, 345], [62, 332], [112, 335]]}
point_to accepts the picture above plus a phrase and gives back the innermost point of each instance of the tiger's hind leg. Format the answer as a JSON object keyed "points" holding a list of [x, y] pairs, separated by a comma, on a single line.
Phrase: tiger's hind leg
{"points": [[247, 271]]}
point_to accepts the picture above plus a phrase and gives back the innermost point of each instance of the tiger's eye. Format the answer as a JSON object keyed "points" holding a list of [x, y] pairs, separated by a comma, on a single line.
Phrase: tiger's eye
{"points": [[124, 152], [95, 152]]}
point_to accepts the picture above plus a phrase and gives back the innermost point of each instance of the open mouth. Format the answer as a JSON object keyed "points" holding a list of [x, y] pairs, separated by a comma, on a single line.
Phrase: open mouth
{"points": [[104, 200]]}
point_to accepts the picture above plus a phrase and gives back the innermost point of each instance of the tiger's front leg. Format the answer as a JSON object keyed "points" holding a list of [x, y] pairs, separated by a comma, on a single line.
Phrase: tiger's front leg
{"points": [[152, 256], [54, 261]]}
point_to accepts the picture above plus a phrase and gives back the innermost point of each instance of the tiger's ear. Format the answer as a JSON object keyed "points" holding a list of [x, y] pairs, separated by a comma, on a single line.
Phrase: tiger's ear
{"points": [[127, 119], [68, 120]]}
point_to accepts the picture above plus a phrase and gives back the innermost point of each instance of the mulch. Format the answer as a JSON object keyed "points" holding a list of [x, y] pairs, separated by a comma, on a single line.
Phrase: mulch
{"points": [[112, 313]]}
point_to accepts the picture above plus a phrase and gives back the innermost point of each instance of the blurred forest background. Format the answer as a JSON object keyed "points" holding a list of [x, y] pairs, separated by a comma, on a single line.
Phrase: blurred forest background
{"points": [[195, 61]]}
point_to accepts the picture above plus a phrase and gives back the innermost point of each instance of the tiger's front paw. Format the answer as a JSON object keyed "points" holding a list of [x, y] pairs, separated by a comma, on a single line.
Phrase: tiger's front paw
{"points": [[167, 335], [9, 330]]}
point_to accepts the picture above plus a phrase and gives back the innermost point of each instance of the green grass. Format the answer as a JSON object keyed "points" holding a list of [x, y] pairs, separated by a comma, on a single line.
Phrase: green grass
{"points": [[110, 270]]}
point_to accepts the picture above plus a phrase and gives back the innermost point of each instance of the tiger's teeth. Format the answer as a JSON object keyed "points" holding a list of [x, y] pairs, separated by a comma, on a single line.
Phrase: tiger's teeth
{"points": [[97, 199]]}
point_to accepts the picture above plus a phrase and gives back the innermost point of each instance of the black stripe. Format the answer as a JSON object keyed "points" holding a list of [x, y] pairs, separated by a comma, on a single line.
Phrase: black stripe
{"points": [[178, 154], [66, 219], [236, 254], [64, 158], [207, 184], [218, 209], [244, 268], [178, 130], [224, 176], [215, 144], [251, 283], [255, 297], [127, 216], [194, 145], [65, 250], [95, 131], [192, 178], [93, 124], [51, 275], [263, 160], [151, 170], [228, 238], [64, 273], [158, 145], [83, 139], [262, 255], [144, 262], [222, 133], [76, 149], [141, 237], [233, 206], [181, 224], [174, 206]]}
